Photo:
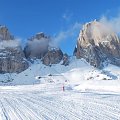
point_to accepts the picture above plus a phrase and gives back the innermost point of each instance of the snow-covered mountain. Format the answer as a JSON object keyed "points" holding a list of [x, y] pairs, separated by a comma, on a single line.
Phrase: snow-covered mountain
{"points": [[39, 47], [64, 87], [77, 73], [94, 46], [98, 44], [12, 58]]}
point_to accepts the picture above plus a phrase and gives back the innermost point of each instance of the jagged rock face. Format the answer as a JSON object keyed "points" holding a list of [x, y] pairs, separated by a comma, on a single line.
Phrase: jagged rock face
{"points": [[12, 58], [37, 46], [65, 60], [4, 34], [97, 43], [53, 56]]}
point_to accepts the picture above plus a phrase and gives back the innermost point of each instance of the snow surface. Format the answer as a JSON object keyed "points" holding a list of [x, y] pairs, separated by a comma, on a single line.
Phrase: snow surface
{"points": [[37, 93], [49, 102]]}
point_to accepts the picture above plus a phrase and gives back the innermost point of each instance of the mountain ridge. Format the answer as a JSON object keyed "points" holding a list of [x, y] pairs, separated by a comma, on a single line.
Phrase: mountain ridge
{"points": [[96, 43]]}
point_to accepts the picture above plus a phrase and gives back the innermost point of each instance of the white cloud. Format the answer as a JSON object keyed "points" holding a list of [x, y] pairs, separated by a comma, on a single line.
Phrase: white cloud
{"points": [[9, 43], [112, 23], [64, 35], [38, 46]]}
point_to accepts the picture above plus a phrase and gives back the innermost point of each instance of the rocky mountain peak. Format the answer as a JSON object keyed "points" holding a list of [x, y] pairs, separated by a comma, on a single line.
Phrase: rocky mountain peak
{"points": [[53, 56], [5, 34], [12, 58], [96, 42], [39, 36], [37, 46], [96, 32]]}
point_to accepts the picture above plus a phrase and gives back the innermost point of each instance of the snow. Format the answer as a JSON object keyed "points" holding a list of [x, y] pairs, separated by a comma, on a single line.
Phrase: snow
{"points": [[79, 75], [49, 102], [37, 93], [11, 44]]}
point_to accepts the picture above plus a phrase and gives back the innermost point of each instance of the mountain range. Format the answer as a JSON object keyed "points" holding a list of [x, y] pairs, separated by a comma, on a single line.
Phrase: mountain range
{"points": [[96, 43]]}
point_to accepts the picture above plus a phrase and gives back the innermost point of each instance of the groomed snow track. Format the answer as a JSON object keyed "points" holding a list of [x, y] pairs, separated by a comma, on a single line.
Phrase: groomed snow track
{"points": [[49, 102]]}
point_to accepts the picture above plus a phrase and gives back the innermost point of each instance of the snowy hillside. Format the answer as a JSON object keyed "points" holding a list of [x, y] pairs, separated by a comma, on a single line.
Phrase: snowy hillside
{"points": [[74, 92], [78, 75]]}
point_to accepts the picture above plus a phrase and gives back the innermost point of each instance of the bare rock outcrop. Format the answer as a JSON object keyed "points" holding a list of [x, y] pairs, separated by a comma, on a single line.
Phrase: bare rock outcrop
{"points": [[12, 58], [5, 34], [40, 47], [65, 59], [97, 43], [53, 56]]}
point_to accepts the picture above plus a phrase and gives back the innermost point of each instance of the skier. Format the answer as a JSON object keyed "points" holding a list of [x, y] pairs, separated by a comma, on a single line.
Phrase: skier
{"points": [[63, 88]]}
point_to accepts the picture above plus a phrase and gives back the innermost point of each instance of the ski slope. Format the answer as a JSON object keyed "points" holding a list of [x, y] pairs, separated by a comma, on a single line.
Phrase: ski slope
{"points": [[37, 93], [79, 75], [49, 102]]}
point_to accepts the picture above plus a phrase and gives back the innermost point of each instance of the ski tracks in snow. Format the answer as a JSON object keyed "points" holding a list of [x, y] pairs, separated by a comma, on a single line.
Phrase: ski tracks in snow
{"points": [[29, 103]]}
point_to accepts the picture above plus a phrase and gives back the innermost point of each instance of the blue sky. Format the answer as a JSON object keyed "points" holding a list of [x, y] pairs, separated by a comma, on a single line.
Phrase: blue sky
{"points": [[24, 18]]}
